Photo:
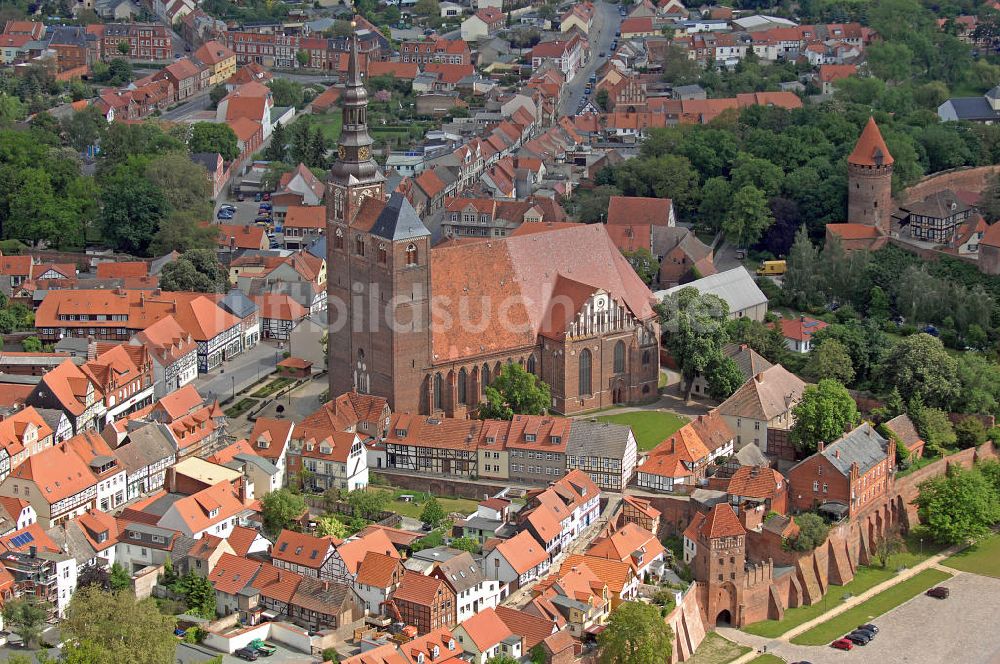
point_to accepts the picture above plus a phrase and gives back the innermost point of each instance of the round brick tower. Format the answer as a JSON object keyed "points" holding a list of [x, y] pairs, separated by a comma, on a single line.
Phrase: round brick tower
{"points": [[869, 180]]}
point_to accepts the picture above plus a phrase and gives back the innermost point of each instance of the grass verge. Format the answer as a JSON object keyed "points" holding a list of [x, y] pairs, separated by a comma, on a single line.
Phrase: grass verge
{"points": [[717, 650], [872, 608], [767, 659], [273, 386], [983, 558], [240, 407], [650, 427]]}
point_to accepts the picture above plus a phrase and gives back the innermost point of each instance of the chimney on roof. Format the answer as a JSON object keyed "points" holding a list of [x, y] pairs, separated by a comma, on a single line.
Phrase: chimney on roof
{"points": [[743, 346], [754, 471], [91, 348], [820, 445], [33, 551], [836, 453], [326, 585], [673, 445], [802, 318], [759, 377], [157, 292]]}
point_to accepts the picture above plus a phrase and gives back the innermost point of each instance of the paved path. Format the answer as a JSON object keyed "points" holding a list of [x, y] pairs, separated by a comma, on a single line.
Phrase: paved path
{"points": [[239, 373], [782, 646], [602, 33]]}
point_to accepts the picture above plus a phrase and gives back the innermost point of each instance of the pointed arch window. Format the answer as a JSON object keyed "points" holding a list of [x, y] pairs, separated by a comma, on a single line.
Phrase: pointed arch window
{"points": [[486, 375], [462, 377], [359, 245], [411, 254], [645, 358], [530, 364], [383, 255], [620, 357], [338, 240], [438, 391], [585, 384]]}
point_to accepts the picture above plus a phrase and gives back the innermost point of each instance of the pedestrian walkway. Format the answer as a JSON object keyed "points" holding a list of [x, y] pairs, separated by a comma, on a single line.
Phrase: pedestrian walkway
{"points": [[782, 646]]}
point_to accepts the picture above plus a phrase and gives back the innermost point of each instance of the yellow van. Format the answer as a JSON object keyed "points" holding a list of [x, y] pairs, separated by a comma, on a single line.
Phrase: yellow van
{"points": [[772, 268]]}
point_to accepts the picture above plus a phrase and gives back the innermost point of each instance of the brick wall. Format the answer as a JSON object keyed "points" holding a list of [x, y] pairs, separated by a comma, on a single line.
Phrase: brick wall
{"points": [[970, 179]]}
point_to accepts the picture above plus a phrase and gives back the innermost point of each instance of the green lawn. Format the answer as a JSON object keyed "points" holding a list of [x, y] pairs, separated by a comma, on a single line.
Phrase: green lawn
{"points": [[650, 427], [330, 122], [865, 579], [983, 558], [416, 506], [240, 407], [273, 386], [885, 601], [767, 659], [717, 650]]}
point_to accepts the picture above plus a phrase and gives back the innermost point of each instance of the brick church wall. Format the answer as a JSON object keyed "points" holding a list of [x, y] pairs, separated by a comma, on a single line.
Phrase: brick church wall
{"points": [[969, 179]]}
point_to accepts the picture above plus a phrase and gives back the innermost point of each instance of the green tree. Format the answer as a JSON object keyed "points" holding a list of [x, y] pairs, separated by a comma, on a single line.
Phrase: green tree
{"points": [[591, 206], [934, 426], [217, 94], [196, 271], [800, 285], [302, 57], [119, 578], [277, 149], [515, 391], [182, 182], [959, 507], [635, 634], [751, 171], [429, 8], [695, 330], [812, 532], [502, 659], [11, 110], [830, 359], [748, 217], [918, 366], [331, 655], [465, 544], [538, 654], [287, 92], [602, 99], [724, 377], [132, 212], [85, 128], [214, 137], [368, 504], [26, 616], [328, 526], [767, 341], [115, 629], [432, 513], [825, 412], [644, 263], [199, 595], [281, 509], [124, 48], [716, 197], [970, 432]]}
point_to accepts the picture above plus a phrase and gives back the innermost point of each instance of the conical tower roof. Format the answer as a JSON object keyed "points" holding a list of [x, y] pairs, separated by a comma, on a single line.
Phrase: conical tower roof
{"points": [[870, 149]]}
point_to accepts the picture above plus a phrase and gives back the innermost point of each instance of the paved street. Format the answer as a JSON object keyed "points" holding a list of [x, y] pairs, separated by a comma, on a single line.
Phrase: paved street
{"points": [[187, 654], [240, 372], [606, 22]]}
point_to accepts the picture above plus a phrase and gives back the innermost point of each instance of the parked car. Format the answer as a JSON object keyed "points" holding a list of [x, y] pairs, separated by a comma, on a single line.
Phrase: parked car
{"points": [[224, 214], [248, 654], [939, 592], [869, 627], [426, 527], [266, 220], [859, 638], [842, 644], [258, 196], [264, 648], [868, 632]]}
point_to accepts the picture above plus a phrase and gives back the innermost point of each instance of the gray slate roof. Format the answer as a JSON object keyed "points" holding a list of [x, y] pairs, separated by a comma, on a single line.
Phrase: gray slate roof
{"points": [[146, 445], [750, 455], [600, 439], [399, 221], [973, 108], [735, 286], [462, 572], [238, 304], [747, 359], [863, 446]]}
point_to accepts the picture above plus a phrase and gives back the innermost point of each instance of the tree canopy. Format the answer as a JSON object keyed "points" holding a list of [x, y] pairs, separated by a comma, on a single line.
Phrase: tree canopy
{"points": [[515, 391], [695, 330], [825, 412], [635, 634], [112, 628], [280, 509], [960, 506]]}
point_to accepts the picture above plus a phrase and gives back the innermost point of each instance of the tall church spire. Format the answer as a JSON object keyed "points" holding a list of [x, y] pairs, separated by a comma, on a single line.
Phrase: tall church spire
{"points": [[354, 166]]}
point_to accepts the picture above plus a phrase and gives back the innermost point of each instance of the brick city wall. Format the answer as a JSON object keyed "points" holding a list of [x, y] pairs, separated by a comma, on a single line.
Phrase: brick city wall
{"points": [[440, 486], [969, 179]]}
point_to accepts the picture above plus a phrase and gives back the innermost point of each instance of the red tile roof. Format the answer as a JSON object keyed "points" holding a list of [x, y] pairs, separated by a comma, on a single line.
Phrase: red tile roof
{"points": [[522, 551], [302, 549], [802, 328], [533, 629], [722, 522], [853, 231], [755, 482], [305, 216], [111, 270], [870, 149], [486, 629]]}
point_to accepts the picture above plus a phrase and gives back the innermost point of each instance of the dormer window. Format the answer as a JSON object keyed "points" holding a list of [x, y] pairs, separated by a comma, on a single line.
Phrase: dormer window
{"points": [[451, 644], [325, 449], [435, 652], [263, 444], [400, 433], [556, 440], [529, 437], [420, 658], [213, 513], [309, 447]]}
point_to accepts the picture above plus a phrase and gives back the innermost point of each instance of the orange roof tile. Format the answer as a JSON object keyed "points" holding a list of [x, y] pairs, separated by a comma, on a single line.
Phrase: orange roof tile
{"points": [[533, 629], [870, 149], [352, 552], [378, 570], [486, 629], [233, 573], [755, 482], [57, 471], [302, 549], [305, 216], [722, 522], [522, 551]]}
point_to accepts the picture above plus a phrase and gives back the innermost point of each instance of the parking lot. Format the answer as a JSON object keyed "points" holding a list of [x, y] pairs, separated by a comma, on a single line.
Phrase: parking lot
{"points": [[962, 628], [246, 214]]}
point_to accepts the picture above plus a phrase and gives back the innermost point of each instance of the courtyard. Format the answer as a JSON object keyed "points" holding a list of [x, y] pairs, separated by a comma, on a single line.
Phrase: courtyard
{"points": [[650, 427]]}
